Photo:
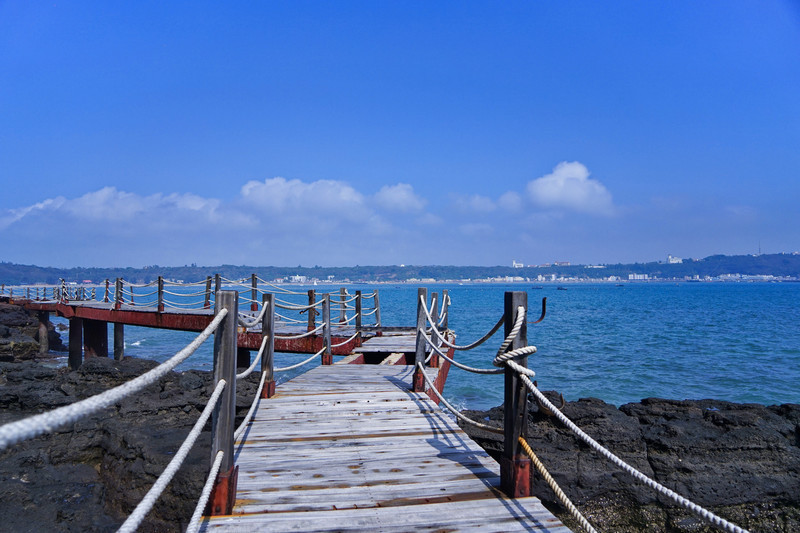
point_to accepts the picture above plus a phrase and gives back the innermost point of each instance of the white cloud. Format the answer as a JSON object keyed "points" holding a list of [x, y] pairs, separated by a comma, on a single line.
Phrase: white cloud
{"points": [[475, 203], [294, 196], [569, 187], [400, 198], [510, 201]]}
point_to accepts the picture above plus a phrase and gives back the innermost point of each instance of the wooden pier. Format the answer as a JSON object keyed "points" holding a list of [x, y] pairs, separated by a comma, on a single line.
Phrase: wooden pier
{"points": [[351, 448]]}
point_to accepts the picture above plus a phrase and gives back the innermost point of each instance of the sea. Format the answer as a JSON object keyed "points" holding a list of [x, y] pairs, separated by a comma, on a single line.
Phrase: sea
{"points": [[737, 342]]}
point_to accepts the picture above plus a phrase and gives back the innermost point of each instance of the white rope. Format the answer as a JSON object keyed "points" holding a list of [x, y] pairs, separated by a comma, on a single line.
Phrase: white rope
{"points": [[288, 319], [298, 365], [243, 319], [504, 357], [256, 359], [453, 409], [451, 345], [295, 307], [135, 519], [460, 365], [194, 522], [46, 422], [683, 502], [300, 336], [249, 415], [345, 342]]}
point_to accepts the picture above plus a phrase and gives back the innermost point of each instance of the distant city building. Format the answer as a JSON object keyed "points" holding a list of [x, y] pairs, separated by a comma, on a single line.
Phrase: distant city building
{"points": [[561, 263], [672, 260], [638, 277], [516, 265]]}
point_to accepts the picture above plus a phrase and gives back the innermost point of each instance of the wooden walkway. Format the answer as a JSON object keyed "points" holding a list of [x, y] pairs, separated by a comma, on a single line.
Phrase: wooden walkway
{"points": [[350, 448]]}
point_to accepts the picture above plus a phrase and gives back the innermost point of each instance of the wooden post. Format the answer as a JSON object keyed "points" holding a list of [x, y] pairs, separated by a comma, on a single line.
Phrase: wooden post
{"points": [[217, 286], [105, 296], [377, 308], [434, 313], [359, 308], [160, 294], [419, 357], [327, 355], [342, 306], [222, 420], [207, 303], [515, 467], [95, 338], [445, 309], [312, 311], [254, 293], [268, 355], [44, 339], [75, 343], [118, 300], [119, 341]]}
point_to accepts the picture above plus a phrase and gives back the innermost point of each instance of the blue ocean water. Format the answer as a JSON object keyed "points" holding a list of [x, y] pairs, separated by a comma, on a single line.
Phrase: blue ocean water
{"points": [[728, 341]]}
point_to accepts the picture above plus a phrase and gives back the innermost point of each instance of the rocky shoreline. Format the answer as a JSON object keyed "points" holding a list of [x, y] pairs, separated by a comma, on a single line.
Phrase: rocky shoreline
{"points": [[741, 461]]}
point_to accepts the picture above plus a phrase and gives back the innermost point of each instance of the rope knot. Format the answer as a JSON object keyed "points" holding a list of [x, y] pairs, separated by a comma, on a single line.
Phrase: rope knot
{"points": [[504, 357]]}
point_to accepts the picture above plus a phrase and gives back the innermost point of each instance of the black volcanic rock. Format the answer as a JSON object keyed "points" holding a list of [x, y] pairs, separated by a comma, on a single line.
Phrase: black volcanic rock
{"points": [[91, 475], [19, 334], [741, 461]]}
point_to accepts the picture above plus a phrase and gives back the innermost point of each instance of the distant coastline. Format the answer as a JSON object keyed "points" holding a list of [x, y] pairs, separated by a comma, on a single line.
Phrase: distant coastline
{"points": [[767, 267]]}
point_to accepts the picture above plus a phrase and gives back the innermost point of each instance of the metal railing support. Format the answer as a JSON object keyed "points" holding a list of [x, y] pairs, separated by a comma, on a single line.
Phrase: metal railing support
{"points": [[268, 355], [419, 357], [327, 355], [515, 467], [223, 418]]}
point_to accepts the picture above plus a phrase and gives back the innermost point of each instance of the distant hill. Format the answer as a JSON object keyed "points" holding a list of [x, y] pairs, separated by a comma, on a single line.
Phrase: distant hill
{"points": [[779, 265]]}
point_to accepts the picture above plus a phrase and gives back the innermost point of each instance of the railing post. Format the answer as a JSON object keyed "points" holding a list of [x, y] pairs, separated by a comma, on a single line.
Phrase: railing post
{"points": [[105, 296], [327, 355], [312, 312], [118, 300], [419, 356], [515, 473], [359, 308], [434, 313], [342, 306], [207, 303], [268, 355], [254, 293], [377, 308], [160, 294], [223, 418], [445, 309]]}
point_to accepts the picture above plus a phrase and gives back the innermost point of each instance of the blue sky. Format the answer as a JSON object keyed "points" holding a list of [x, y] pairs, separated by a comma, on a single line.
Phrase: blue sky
{"points": [[344, 133]]}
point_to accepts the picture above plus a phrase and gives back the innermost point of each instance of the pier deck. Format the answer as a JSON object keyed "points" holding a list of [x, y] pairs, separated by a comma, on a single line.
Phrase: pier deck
{"points": [[351, 448]]}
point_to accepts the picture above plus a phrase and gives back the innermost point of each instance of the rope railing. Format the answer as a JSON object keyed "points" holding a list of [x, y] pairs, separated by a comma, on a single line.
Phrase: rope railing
{"points": [[243, 318], [454, 346], [256, 359], [36, 425], [462, 366], [338, 345], [289, 319], [243, 426], [298, 365], [194, 522], [133, 521], [302, 335]]}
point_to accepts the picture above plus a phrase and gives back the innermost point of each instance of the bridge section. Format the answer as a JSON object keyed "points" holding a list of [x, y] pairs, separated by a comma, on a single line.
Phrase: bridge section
{"points": [[351, 448]]}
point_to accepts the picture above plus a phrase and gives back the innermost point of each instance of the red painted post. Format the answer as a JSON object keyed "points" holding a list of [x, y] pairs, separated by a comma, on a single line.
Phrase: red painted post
{"points": [[222, 420], [327, 355], [419, 357], [267, 356], [515, 467]]}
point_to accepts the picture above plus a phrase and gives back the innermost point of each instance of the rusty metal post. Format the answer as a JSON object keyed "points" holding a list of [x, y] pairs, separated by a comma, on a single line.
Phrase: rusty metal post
{"points": [[312, 311], [75, 343], [268, 355], [254, 293], [207, 303], [327, 355], [515, 467], [222, 420], [160, 294], [419, 357], [119, 341], [377, 308]]}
